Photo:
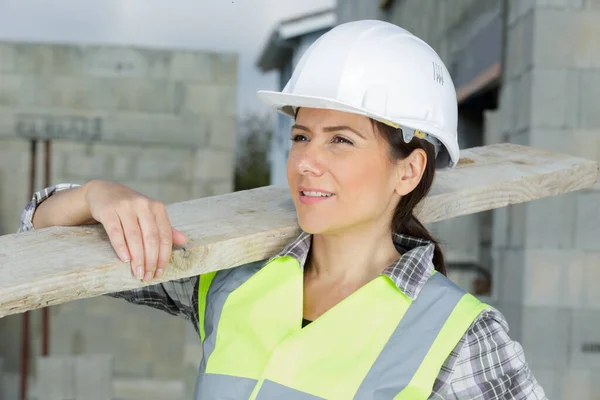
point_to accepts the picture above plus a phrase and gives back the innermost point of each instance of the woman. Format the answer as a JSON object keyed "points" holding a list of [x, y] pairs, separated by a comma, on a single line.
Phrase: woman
{"points": [[358, 306]]}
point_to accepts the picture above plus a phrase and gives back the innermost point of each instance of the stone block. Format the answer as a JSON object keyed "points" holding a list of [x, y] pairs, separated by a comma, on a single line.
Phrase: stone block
{"points": [[560, 4], [87, 167], [520, 43], [460, 238], [93, 377], [585, 339], [188, 66], [566, 38], [552, 278], [223, 132], [68, 60], [576, 384], [550, 379], [199, 189], [220, 187], [546, 337], [554, 38], [33, 58], [517, 9], [10, 90], [513, 313], [7, 57], [586, 44], [500, 227], [210, 99], [523, 101], [550, 222], [212, 164], [14, 167], [592, 5], [163, 191], [493, 122], [148, 389], [587, 232], [517, 223], [508, 275], [554, 98], [8, 123], [74, 93], [133, 128], [163, 163], [226, 68], [118, 62], [589, 92], [591, 280], [123, 168], [56, 377], [148, 96]]}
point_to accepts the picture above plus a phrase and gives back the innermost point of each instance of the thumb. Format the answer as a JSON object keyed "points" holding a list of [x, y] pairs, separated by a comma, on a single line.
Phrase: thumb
{"points": [[179, 238]]}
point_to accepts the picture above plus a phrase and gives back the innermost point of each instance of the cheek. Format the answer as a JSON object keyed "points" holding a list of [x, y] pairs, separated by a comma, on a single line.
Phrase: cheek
{"points": [[292, 165], [365, 180]]}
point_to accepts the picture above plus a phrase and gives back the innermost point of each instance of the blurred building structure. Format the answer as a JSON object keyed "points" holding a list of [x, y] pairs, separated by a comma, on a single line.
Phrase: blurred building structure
{"points": [[526, 72], [160, 121]]}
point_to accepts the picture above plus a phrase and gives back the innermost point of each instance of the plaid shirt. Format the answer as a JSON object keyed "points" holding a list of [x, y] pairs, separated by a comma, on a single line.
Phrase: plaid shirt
{"points": [[486, 364]]}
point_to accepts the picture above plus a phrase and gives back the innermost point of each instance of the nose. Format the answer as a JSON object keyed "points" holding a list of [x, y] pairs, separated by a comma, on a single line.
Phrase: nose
{"points": [[309, 160]]}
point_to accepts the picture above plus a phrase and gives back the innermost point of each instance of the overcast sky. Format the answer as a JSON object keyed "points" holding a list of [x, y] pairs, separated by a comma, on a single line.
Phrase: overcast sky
{"points": [[240, 26]]}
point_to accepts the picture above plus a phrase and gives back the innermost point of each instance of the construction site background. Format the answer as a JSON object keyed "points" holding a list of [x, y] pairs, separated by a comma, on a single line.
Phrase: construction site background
{"points": [[164, 122]]}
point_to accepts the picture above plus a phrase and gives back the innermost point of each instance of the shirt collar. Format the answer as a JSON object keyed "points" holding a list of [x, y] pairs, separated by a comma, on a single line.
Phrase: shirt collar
{"points": [[409, 272]]}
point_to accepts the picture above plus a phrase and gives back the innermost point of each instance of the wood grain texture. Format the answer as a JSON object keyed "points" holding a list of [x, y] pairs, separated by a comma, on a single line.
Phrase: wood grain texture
{"points": [[60, 264]]}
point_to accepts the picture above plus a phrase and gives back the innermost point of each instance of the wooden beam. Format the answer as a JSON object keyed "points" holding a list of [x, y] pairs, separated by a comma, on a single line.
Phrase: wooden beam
{"points": [[60, 264]]}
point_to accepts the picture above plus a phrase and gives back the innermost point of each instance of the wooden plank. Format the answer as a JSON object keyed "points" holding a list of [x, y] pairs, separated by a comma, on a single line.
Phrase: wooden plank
{"points": [[60, 264]]}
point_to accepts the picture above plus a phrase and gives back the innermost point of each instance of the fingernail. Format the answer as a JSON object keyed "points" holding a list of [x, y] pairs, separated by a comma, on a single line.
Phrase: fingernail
{"points": [[148, 276], [125, 257], [159, 273], [140, 272]]}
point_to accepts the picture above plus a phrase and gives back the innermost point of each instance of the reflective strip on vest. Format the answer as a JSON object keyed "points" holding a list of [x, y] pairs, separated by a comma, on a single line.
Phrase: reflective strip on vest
{"points": [[376, 343], [222, 284]]}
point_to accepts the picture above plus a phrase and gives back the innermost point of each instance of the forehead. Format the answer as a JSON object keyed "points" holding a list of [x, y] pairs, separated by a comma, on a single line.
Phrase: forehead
{"points": [[317, 118]]}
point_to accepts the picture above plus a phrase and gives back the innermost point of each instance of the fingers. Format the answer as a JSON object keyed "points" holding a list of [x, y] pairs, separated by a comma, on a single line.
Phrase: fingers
{"points": [[113, 228], [179, 239], [140, 232], [151, 242], [165, 233], [133, 237]]}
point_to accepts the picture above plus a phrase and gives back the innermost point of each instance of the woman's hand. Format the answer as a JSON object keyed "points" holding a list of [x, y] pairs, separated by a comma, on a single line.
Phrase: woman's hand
{"points": [[137, 226]]}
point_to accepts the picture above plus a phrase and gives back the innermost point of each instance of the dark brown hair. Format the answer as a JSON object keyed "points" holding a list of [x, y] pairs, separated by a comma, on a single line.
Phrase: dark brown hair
{"points": [[404, 222]]}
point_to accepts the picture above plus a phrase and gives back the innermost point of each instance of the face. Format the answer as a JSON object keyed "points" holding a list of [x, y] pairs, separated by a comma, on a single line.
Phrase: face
{"points": [[340, 173]]}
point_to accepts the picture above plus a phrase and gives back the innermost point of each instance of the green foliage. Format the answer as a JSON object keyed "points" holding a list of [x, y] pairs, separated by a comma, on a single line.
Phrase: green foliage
{"points": [[252, 161]]}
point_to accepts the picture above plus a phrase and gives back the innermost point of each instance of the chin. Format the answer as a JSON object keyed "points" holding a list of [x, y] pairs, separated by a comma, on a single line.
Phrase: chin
{"points": [[314, 225]]}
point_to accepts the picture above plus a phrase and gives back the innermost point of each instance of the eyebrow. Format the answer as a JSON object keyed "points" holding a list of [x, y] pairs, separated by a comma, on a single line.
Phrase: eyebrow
{"points": [[331, 129]]}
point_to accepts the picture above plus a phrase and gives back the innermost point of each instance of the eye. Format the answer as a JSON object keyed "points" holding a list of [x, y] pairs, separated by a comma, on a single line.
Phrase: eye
{"points": [[339, 139], [299, 138]]}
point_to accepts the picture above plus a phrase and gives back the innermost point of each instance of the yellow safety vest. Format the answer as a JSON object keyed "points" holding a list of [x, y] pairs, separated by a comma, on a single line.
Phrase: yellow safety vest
{"points": [[375, 344]]}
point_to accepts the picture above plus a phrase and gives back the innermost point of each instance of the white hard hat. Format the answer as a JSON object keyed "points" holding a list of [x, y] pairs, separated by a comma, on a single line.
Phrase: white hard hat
{"points": [[377, 69]]}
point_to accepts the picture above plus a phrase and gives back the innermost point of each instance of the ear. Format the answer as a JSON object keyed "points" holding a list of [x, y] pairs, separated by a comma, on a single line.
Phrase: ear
{"points": [[410, 171]]}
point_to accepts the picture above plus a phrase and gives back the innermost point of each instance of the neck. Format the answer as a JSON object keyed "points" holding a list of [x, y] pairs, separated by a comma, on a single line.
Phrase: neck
{"points": [[353, 258]]}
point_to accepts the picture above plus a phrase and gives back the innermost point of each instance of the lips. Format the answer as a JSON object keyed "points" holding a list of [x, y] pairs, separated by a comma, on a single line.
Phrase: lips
{"points": [[314, 195]]}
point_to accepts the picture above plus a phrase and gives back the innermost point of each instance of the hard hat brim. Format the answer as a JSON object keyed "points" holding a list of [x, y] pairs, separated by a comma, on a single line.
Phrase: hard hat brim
{"points": [[287, 102]]}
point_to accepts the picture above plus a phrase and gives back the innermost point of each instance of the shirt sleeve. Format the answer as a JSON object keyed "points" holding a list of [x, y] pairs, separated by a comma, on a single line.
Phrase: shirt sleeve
{"points": [[179, 297], [36, 200], [489, 365]]}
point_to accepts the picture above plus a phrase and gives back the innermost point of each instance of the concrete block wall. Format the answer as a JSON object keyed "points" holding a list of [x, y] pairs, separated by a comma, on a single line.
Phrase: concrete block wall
{"points": [[547, 101], [160, 121], [545, 254]]}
